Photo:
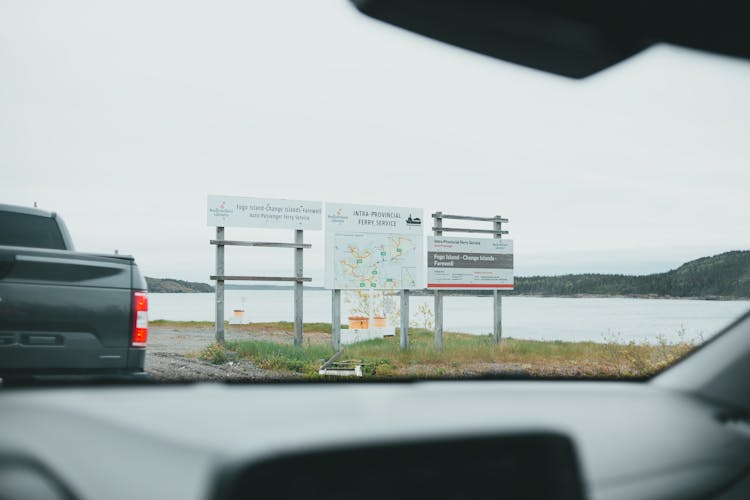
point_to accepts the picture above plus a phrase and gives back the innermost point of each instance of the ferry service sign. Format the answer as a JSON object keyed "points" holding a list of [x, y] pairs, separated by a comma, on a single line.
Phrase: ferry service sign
{"points": [[370, 247], [469, 263], [267, 213]]}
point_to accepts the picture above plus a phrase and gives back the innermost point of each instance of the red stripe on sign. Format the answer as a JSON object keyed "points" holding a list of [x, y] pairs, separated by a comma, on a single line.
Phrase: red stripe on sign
{"points": [[468, 285]]}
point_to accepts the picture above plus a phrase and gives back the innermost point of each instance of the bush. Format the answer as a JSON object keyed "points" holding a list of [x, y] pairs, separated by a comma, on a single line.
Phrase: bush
{"points": [[214, 353]]}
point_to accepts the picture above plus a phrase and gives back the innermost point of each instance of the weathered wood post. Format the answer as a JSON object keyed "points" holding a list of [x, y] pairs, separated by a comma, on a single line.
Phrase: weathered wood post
{"points": [[497, 316], [298, 325], [336, 319], [404, 319], [219, 335], [438, 217]]}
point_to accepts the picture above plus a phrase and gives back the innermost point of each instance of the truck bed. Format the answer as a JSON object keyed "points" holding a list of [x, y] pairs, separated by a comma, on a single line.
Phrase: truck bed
{"points": [[65, 311]]}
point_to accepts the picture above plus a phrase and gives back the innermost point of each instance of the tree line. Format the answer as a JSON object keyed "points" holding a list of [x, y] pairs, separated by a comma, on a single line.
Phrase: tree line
{"points": [[724, 275]]}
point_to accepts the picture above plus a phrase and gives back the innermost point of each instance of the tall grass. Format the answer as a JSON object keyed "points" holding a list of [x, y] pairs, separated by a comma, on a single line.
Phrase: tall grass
{"points": [[466, 355], [284, 357]]}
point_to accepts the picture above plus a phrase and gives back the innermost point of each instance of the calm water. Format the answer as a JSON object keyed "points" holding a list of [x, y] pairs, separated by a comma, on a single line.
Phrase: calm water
{"points": [[523, 317]]}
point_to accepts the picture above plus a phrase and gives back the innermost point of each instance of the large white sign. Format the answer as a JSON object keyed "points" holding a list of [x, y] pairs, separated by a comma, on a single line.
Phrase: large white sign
{"points": [[469, 263], [236, 211], [373, 247]]}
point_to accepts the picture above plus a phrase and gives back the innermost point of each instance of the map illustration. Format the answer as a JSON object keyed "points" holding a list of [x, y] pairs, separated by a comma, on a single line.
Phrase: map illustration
{"points": [[375, 261]]}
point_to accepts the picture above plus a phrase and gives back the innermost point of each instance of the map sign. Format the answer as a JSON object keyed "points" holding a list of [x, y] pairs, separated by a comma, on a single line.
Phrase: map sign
{"points": [[469, 263], [373, 247], [240, 211]]}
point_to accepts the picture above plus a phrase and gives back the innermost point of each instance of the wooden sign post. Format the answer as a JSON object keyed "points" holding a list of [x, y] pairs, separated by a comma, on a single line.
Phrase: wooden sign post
{"points": [[267, 214], [469, 264]]}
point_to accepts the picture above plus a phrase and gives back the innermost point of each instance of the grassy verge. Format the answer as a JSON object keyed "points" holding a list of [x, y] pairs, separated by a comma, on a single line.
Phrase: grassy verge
{"points": [[463, 355]]}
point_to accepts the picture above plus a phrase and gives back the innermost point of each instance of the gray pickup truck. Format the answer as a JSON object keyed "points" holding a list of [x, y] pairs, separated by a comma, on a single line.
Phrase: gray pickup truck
{"points": [[63, 311]]}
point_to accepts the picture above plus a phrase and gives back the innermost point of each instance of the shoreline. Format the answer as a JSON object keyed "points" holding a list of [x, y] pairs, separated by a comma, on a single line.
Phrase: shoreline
{"points": [[460, 293], [321, 332]]}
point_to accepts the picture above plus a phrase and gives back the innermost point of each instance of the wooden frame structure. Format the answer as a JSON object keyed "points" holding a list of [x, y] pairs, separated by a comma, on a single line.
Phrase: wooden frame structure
{"points": [[298, 280], [497, 231]]}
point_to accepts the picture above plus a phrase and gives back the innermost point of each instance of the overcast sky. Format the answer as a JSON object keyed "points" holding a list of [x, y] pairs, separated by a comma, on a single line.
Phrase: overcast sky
{"points": [[123, 116]]}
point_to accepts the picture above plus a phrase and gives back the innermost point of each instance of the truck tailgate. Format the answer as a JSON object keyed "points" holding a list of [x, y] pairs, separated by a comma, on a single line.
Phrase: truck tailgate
{"points": [[61, 309]]}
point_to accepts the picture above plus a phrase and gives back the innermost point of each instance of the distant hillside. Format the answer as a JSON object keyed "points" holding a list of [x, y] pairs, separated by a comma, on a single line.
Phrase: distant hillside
{"points": [[726, 275], [168, 285]]}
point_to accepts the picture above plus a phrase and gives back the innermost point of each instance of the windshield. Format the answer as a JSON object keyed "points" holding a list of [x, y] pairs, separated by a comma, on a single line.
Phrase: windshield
{"points": [[541, 226]]}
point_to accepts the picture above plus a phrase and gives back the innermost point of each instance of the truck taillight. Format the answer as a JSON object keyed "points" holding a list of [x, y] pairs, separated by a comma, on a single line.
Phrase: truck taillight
{"points": [[140, 319]]}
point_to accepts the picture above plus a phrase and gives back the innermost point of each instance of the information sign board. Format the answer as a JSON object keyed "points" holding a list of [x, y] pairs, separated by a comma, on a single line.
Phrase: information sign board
{"points": [[469, 263], [267, 213], [373, 247]]}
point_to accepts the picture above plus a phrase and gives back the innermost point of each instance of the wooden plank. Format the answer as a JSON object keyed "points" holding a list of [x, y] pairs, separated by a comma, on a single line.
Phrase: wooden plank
{"points": [[331, 360], [463, 217], [270, 244], [259, 278], [439, 230], [469, 217], [353, 371]]}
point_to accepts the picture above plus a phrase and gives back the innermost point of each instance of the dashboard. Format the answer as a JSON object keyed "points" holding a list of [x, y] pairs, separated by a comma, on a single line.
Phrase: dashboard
{"points": [[600, 440], [438, 439]]}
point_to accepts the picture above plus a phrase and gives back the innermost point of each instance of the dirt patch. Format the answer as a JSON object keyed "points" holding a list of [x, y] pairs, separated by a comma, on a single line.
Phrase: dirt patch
{"points": [[172, 352], [172, 367]]}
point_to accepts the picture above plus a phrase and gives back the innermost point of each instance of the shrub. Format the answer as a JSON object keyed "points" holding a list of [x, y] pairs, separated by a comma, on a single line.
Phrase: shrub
{"points": [[214, 353]]}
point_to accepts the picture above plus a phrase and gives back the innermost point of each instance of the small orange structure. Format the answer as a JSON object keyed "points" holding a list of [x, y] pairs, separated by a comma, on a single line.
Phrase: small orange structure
{"points": [[238, 317], [378, 321], [359, 322]]}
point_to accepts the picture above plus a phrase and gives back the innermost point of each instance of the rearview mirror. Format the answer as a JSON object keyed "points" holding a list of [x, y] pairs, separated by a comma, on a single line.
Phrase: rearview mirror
{"points": [[573, 38]]}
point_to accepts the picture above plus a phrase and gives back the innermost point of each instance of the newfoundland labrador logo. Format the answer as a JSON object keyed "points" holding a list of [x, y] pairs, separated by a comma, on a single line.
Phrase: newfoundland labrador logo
{"points": [[222, 211], [337, 217]]}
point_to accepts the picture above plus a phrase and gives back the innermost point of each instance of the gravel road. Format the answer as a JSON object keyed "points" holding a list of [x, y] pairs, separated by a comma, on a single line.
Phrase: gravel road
{"points": [[171, 355]]}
